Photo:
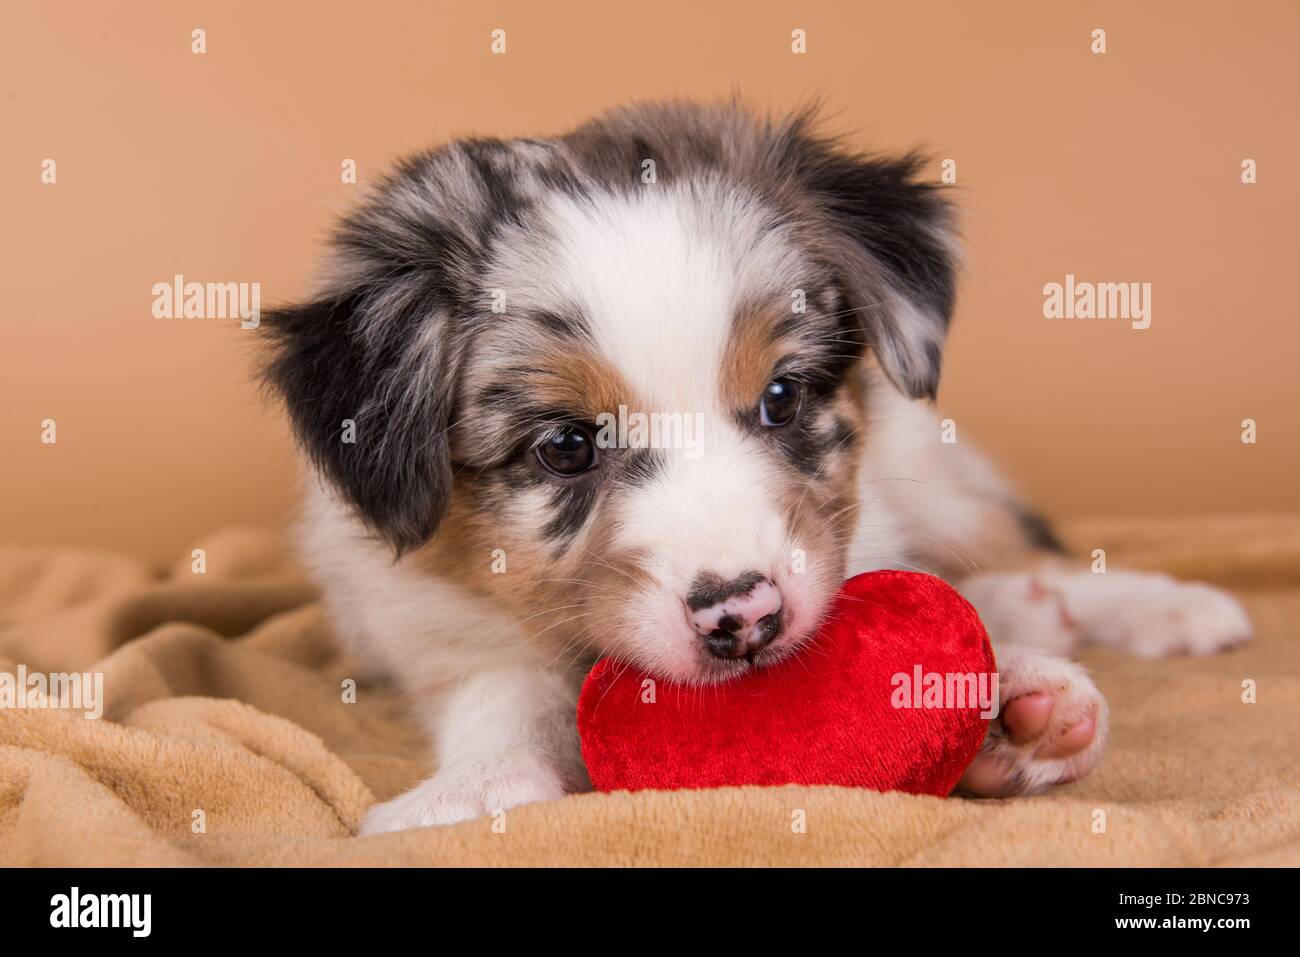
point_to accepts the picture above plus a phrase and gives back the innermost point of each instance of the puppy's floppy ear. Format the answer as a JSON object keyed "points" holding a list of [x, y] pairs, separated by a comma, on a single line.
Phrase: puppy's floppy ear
{"points": [[369, 386], [382, 351], [892, 244]]}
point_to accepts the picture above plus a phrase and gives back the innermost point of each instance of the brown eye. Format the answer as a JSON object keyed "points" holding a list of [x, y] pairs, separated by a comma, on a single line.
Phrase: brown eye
{"points": [[568, 451], [780, 403]]}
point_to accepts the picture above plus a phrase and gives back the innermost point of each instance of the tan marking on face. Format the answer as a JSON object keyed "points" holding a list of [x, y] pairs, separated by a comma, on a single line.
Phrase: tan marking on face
{"points": [[463, 538], [540, 591], [750, 355], [570, 605], [577, 380]]}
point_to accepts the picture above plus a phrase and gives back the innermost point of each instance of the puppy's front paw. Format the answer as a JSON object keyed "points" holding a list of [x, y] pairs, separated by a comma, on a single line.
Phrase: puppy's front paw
{"points": [[466, 790], [1051, 728]]}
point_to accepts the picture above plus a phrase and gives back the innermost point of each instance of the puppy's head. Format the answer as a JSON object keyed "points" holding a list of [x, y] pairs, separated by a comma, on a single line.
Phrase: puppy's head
{"points": [[615, 381]]}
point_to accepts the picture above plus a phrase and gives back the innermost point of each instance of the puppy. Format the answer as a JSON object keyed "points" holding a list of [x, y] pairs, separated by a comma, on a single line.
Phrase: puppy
{"points": [[480, 538]]}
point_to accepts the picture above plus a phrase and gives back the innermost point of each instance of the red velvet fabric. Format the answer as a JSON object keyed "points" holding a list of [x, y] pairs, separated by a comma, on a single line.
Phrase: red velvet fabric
{"points": [[829, 715]]}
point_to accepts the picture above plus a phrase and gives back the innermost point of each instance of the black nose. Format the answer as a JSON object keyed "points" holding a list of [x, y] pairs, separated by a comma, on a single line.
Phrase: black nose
{"points": [[735, 618], [736, 638]]}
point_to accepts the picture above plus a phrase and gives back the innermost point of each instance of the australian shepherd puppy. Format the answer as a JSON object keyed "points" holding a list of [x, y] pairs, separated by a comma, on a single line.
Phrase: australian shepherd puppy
{"points": [[777, 300]]}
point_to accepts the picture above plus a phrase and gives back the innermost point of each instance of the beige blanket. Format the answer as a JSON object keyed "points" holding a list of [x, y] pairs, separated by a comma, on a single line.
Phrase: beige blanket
{"points": [[225, 738]]}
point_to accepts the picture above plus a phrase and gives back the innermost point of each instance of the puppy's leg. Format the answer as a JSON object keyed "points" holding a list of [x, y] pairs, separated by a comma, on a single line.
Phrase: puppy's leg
{"points": [[1056, 607], [505, 737]]}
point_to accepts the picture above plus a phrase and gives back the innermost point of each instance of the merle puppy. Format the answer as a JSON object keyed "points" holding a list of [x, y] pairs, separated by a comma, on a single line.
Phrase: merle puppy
{"points": [[479, 543]]}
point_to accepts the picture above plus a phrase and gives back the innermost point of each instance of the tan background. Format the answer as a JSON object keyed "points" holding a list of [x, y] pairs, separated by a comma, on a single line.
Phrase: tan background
{"points": [[225, 167]]}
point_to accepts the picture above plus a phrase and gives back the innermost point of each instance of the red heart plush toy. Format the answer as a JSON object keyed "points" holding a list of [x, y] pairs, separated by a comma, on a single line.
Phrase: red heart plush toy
{"points": [[885, 697]]}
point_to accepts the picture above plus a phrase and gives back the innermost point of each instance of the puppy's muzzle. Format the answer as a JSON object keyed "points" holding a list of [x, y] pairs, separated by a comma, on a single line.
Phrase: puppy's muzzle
{"points": [[735, 618]]}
